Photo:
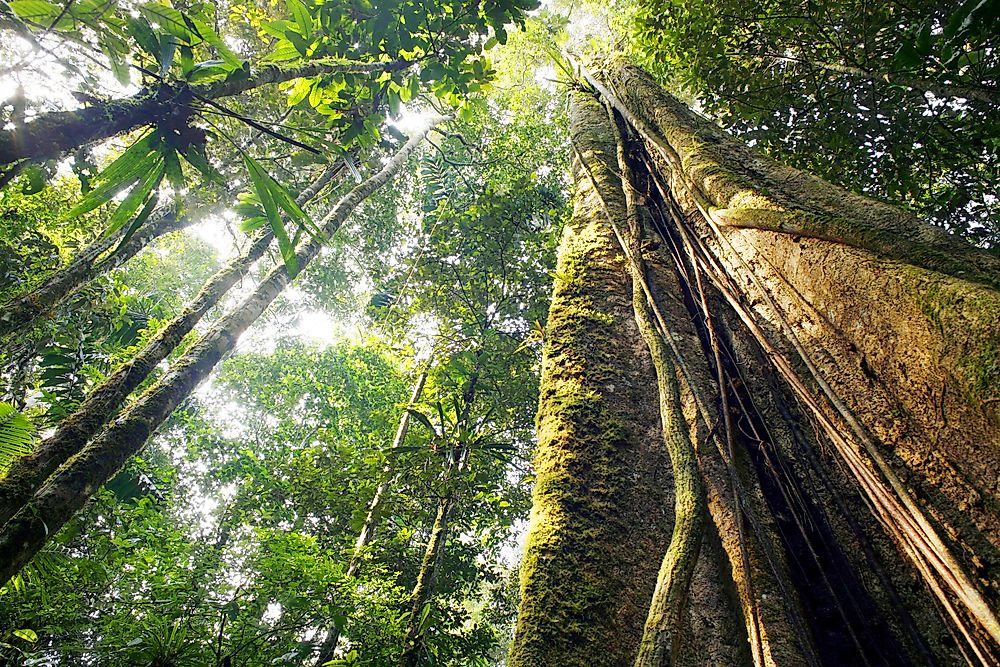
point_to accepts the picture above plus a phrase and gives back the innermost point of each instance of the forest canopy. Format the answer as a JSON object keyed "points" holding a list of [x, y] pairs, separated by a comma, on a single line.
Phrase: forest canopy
{"points": [[276, 327]]}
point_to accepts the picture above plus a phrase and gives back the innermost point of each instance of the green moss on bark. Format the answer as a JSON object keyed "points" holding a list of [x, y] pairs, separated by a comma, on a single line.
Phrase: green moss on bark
{"points": [[600, 515]]}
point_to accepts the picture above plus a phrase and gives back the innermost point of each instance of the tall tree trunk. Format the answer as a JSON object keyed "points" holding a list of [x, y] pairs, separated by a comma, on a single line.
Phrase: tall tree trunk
{"points": [[27, 474], [829, 345], [70, 488], [423, 590], [328, 646], [21, 313], [378, 500]]}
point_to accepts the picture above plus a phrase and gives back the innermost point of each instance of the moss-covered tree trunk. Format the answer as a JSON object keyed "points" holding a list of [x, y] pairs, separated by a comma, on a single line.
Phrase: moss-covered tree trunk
{"points": [[21, 313], [838, 367]]}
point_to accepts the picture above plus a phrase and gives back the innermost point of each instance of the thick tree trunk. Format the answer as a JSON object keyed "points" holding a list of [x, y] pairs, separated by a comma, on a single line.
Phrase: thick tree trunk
{"points": [[70, 488], [27, 474], [822, 454], [21, 313], [601, 506]]}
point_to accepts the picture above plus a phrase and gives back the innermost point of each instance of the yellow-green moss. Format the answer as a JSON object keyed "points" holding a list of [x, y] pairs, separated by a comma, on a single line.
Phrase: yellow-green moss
{"points": [[597, 521]]}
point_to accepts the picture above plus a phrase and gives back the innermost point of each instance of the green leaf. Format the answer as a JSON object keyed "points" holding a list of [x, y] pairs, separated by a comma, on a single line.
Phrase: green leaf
{"points": [[908, 56], [287, 203], [253, 224], [189, 29], [168, 47], [139, 221], [261, 183], [172, 168], [301, 43], [123, 172], [35, 179], [283, 52], [169, 20], [143, 35], [422, 418], [26, 634], [135, 198], [301, 16], [196, 158], [36, 11], [117, 57], [923, 44], [208, 69], [16, 435]]}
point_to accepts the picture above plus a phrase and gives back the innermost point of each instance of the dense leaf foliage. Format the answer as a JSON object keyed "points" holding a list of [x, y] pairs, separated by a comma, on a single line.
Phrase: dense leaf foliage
{"points": [[899, 100]]}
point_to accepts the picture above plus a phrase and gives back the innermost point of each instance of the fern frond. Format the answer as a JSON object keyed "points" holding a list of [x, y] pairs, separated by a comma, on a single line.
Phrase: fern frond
{"points": [[16, 435]]}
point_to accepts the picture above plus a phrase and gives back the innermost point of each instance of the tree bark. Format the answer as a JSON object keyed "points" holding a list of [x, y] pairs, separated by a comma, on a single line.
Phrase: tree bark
{"points": [[663, 632], [375, 506], [601, 507], [737, 187], [826, 369], [27, 474], [423, 590], [70, 488], [56, 133], [22, 312]]}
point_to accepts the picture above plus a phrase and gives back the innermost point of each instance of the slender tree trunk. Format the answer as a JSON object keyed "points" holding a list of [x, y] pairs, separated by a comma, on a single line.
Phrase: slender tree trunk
{"points": [[423, 590], [378, 500], [21, 313], [328, 646], [430, 565], [51, 135], [28, 473], [70, 488], [843, 368]]}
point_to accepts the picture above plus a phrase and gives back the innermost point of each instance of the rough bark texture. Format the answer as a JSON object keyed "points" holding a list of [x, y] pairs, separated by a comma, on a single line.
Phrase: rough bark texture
{"points": [[837, 360], [70, 488], [27, 474], [601, 511], [836, 306], [662, 638], [739, 187]]}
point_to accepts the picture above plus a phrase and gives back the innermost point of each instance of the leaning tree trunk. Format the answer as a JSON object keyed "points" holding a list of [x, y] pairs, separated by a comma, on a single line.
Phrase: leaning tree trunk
{"points": [[27, 474], [837, 361], [21, 313], [70, 487]]}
